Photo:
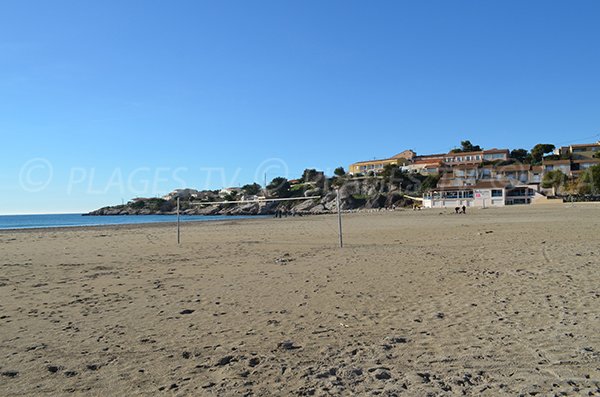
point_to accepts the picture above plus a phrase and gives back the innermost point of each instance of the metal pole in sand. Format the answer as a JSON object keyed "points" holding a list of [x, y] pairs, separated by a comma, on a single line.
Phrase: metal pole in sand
{"points": [[178, 239], [337, 201]]}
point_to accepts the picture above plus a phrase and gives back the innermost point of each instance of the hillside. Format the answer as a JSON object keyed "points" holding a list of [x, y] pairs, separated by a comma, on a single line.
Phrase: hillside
{"points": [[372, 192]]}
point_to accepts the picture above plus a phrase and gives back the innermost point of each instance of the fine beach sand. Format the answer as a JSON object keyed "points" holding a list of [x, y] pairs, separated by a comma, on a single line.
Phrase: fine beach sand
{"points": [[495, 302]]}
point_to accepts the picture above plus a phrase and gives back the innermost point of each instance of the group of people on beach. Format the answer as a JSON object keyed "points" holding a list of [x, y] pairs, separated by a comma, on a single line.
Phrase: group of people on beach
{"points": [[460, 210]]}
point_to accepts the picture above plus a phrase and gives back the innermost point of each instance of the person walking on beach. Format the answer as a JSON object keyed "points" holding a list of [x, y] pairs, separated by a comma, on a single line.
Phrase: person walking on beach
{"points": [[457, 210], [464, 209]]}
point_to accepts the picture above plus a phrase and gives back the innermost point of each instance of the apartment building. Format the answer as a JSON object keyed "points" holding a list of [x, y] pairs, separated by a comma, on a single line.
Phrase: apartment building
{"points": [[574, 159], [428, 164], [584, 151], [476, 157], [376, 166]]}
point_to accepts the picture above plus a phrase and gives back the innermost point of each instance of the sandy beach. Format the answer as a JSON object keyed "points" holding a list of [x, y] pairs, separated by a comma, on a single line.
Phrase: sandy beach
{"points": [[426, 303]]}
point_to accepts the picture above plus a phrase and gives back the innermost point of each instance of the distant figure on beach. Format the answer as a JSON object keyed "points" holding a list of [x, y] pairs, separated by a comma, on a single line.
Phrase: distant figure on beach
{"points": [[464, 209], [457, 210]]}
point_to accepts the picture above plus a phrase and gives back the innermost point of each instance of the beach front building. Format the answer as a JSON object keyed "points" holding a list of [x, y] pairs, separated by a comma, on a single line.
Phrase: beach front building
{"points": [[483, 194], [474, 184], [523, 173]]}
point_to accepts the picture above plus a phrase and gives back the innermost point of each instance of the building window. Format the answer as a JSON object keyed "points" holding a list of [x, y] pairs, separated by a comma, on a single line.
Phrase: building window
{"points": [[496, 192]]}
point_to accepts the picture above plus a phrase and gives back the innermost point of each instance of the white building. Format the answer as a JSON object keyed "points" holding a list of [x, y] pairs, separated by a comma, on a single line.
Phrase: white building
{"points": [[483, 194]]}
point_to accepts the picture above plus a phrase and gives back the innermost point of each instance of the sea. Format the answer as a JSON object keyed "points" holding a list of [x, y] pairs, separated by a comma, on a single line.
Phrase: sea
{"points": [[74, 220]]}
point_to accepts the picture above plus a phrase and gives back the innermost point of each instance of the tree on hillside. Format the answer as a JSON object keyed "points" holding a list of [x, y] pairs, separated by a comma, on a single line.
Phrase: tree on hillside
{"points": [[309, 175], [430, 182], [339, 171], [554, 179], [538, 151], [231, 196], [251, 189], [590, 180], [394, 175], [279, 187], [314, 176], [388, 171], [467, 146], [521, 155]]}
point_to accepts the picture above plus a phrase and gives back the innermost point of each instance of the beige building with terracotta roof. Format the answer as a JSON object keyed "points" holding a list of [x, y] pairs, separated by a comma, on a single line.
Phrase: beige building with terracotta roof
{"points": [[376, 166]]}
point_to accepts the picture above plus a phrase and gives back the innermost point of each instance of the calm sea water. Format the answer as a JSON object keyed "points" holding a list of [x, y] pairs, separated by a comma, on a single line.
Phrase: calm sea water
{"points": [[72, 220]]}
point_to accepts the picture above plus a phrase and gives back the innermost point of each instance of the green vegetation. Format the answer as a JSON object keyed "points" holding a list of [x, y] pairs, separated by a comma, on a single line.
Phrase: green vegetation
{"points": [[551, 157], [554, 179], [252, 189], [360, 196], [339, 171], [391, 172], [314, 176], [430, 182], [521, 155], [467, 146], [151, 204], [279, 187], [298, 187], [539, 150], [230, 196], [311, 175], [590, 180]]}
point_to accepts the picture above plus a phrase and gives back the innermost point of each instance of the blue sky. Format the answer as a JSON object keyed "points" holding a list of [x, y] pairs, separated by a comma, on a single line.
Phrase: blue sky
{"points": [[108, 100]]}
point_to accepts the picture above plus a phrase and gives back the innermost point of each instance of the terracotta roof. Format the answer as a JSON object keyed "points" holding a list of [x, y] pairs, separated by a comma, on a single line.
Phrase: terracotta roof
{"points": [[587, 161], [483, 184], [587, 145], [463, 153], [433, 162], [480, 152], [401, 154], [490, 151], [492, 184], [465, 166], [551, 162], [446, 188], [430, 156], [373, 161], [514, 167]]}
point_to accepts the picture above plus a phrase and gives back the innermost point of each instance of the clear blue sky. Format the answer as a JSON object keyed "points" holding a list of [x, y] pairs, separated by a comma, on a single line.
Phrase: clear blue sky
{"points": [[116, 99]]}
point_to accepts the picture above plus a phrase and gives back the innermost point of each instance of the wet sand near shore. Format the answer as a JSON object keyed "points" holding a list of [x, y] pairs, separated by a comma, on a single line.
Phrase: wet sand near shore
{"points": [[495, 302]]}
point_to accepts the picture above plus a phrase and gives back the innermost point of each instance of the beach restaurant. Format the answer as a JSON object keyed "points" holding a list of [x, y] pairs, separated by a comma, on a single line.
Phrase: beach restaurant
{"points": [[483, 194]]}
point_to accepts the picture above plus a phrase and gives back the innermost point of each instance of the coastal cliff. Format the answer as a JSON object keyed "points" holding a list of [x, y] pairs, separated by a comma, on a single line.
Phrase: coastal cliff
{"points": [[355, 194]]}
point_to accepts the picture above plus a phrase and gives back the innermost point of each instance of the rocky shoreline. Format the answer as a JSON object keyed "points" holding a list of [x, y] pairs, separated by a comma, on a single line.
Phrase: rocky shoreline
{"points": [[364, 195]]}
